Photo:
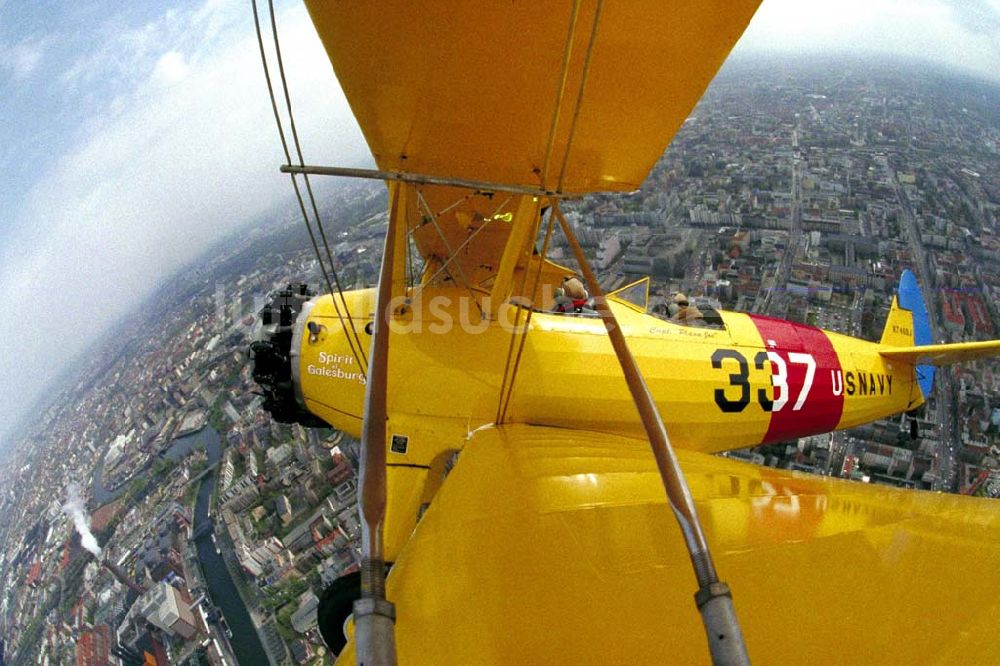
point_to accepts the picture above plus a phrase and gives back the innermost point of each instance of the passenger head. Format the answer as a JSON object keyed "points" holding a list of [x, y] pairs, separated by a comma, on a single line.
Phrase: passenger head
{"points": [[574, 288]]}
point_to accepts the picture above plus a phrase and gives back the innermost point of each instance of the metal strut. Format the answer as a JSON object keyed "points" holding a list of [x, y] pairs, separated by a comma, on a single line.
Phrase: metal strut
{"points": [[374, 615], [714, 600], [560, 92], [423, 179]]}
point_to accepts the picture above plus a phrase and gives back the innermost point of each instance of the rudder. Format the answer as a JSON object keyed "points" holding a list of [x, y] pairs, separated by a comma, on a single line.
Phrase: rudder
{"points": [[909, 325]]}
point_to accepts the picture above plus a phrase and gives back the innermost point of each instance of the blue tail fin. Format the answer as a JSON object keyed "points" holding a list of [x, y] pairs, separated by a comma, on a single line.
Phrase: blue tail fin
{"points": [[911, 298]]}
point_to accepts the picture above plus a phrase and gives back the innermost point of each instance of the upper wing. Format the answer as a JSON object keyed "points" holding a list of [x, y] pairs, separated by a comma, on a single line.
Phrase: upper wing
{"points": [[960, 352], [548, 545], [469, 90]]}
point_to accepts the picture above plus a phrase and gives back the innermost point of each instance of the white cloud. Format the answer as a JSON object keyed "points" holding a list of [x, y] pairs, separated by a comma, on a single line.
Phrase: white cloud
{"points": [[174, 168], [170, 68], [21, 60], [964, 35]]}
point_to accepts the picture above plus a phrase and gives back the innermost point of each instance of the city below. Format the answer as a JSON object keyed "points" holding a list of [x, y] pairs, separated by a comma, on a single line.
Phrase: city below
{"points": [[154, 508]]}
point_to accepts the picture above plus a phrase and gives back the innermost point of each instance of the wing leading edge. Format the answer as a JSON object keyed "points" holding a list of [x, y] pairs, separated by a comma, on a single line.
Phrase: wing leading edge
{"points": [[470, 90], [547, 543]]}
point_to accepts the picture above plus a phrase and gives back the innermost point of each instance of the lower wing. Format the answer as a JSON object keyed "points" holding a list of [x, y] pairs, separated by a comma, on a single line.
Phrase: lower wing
{"points": [[547, 545]]}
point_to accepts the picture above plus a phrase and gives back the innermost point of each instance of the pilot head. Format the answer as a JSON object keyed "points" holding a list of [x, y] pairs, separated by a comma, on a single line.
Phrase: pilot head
{"points": [[574, 288], [677, 303]]}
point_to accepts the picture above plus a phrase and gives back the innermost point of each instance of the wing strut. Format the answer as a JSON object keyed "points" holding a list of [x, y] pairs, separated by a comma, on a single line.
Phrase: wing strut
{"points": [[423, 179], [713, 598], [374, 615]]}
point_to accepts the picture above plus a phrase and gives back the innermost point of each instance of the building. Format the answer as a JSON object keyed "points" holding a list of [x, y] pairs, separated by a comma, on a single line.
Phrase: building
{"points": [[302, 652], [164, 608], [278, 455], [268, 556], [93, 646], [284, 509], [341, 471], [304, 618], [251, 464], [227, 471], [231, 412], [240, 495]]}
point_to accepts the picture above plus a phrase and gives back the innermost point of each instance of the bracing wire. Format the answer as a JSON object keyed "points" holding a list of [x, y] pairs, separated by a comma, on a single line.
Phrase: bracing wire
{"points": [[417, 290], [505, 402], [357, 348], [508, 370], [447, 246], [560, 92], [579, 97], [312, 198], [295, 184]]}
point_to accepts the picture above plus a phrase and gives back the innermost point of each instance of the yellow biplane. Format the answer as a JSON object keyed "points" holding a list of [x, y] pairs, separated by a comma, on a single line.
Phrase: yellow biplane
{"points": [[515, 461]]}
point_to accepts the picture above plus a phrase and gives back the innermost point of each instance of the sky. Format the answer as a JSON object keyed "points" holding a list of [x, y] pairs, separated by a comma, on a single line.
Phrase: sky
{"points": [[134, 135]]}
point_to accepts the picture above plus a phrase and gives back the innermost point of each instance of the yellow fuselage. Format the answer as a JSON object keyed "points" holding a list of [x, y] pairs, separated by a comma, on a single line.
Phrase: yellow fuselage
{"points": [[717, 389], [756, 380]]}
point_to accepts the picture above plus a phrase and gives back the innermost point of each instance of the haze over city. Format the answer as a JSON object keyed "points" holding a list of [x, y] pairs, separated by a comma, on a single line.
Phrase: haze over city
{"points": [[135, 137]]}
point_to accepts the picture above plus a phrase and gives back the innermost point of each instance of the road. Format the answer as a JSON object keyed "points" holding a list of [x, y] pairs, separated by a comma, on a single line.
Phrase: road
{"points": [[945, 393], [762, 303]]}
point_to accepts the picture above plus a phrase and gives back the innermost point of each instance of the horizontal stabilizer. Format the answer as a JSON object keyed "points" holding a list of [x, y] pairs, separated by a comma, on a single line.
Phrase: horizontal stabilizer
{"points": [[944, 354]]}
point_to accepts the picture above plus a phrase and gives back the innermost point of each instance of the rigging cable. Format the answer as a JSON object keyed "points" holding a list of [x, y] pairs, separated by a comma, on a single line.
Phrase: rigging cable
{"points": [[360, 353], [560, 93], [451, 253], [579, 97], [295, 184], [527, 320], [505, 390], [517, 317], [419, 289], [412, 240]]}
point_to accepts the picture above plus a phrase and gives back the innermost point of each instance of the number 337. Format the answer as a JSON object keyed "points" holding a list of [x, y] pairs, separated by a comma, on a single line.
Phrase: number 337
{"points": [[779, 380]]}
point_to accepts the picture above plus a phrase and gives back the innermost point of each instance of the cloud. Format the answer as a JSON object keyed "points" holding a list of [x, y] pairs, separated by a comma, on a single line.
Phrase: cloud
{"points": [[170, 68], [978, 16], [19, 61], [962, 34], [167, 165]]}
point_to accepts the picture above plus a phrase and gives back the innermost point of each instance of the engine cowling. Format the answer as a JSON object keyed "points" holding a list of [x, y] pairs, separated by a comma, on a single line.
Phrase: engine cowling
{"points": [[271, 355]]}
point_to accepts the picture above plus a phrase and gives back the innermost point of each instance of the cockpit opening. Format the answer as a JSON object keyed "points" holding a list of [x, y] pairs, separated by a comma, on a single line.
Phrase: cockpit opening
{"points": [[697, 313]]}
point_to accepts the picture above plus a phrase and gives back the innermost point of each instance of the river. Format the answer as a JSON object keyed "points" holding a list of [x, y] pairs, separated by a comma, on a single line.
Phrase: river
{"points": [[176, 452], [245, 641]]}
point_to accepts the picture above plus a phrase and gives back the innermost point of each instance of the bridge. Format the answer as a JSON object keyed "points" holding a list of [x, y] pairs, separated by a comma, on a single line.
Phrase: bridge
{"points": [[201, 475]]}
